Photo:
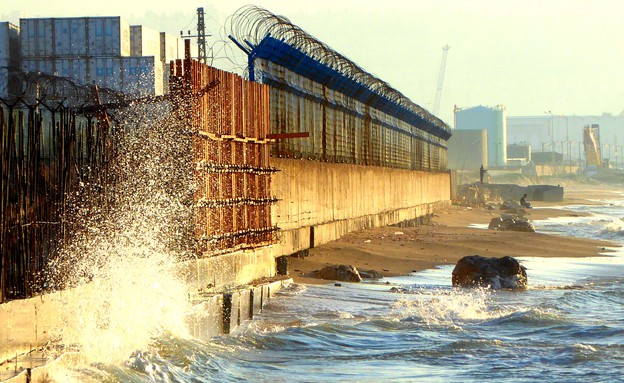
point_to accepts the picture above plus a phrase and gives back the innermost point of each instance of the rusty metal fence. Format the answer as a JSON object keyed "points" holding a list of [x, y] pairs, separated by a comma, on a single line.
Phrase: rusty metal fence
{"points": [[233, 172], [347, 114], [46, 154]]}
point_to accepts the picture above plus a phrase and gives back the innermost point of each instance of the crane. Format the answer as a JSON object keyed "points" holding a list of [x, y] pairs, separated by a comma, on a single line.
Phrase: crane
{"points": [[438, 95], [592, 146]]}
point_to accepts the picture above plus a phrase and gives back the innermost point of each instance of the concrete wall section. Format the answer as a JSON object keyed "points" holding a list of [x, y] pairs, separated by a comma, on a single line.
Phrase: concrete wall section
{"points": [[231, 269], [320, 202]]}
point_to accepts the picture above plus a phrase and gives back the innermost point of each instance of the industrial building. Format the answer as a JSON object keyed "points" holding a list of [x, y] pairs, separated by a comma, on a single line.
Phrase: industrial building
{"points": [[492, 119], [103, 51], [563, 134], [518, 154]]}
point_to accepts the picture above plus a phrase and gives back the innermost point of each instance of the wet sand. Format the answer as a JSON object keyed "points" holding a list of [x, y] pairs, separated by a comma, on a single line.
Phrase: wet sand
{"points": [[398, 251]]}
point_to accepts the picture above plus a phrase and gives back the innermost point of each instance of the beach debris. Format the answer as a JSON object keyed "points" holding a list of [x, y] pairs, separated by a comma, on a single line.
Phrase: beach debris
{"points": [[495, 273], [338, 284], [398, 233], [470, 195], [368, 241], [512, 223], [370, 274], [344, 273]]}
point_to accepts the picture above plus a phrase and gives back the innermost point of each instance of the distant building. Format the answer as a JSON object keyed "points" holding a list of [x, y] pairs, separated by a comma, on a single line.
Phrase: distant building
{"points": [[564, 134], [494, 122], [519, 154], [467, 149], [545, 158]]}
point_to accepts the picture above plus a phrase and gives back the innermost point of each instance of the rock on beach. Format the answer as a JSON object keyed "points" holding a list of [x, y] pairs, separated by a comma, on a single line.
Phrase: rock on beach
{"points": [[496, 273]]}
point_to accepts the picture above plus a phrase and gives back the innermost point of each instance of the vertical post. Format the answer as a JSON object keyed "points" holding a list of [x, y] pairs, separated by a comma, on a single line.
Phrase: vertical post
{"points": [[250, 64]]}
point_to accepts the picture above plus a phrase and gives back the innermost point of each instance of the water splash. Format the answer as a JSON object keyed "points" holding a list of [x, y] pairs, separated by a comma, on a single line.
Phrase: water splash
{"points": [[120, 262]]}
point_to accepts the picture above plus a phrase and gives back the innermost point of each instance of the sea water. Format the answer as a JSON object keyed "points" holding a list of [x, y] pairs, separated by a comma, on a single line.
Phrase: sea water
{"points": [[568, 326]]}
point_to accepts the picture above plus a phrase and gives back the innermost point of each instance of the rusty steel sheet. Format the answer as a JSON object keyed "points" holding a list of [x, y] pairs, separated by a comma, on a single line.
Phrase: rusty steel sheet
{"points": [[231, 118]]}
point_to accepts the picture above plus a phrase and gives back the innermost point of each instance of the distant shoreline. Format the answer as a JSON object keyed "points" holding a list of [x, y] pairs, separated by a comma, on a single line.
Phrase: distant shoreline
{"points": [[396, 251]]}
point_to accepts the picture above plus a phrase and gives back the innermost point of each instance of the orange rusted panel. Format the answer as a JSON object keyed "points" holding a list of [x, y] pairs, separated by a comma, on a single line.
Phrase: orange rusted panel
{"points": [[231, 119]]}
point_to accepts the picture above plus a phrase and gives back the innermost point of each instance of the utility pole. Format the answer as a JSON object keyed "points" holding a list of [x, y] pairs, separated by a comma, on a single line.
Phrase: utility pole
{"points": [[201, 36], [438, 95]]}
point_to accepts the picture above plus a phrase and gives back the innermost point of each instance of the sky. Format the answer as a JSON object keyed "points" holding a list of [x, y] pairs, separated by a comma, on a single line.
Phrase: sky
{"points": [[560, 56]]}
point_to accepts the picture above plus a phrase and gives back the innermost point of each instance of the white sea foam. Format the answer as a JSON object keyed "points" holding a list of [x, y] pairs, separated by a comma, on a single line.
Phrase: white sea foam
{"points": [[448, 307], [615, 226]]}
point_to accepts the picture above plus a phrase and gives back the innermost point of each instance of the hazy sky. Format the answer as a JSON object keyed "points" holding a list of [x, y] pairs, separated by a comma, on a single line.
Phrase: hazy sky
{"points": [[564, 56]]}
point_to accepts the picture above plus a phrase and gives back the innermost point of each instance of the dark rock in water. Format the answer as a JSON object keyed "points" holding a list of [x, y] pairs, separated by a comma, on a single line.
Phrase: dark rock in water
{"points": [[344, 273], [511, 222], [496, 273], [370, 274], [512, 207]]}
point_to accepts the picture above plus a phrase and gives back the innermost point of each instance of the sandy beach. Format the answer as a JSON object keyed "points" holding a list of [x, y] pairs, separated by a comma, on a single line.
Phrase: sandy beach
{"points": [[400, 250]]}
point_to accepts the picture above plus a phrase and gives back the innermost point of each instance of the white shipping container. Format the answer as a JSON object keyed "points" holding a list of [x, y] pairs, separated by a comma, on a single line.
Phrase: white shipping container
{"points": [[74, 68], [144, 41], [75, 36], [37, 37], [9, 44], [107, 72], [166, 70], [62, 36], [142, 76], [70, 36], [4, 84], [109, 36], [79, 32], [39, 65], [168, 47]]}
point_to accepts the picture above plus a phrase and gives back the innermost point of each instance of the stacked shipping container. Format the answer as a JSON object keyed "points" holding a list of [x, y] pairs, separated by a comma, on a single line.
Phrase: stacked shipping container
{"points": [[95, 50], [75, 36]]}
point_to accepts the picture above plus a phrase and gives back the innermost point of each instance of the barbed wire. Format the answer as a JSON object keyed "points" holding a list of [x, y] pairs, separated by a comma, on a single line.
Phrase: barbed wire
{"points": [[253, 24], [26, 89]]}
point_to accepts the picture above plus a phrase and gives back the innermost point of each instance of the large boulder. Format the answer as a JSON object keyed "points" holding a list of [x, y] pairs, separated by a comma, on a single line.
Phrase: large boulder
{"points": [[512, 207], [511, 222], [496, 273], [344, 273], [370, 274]]}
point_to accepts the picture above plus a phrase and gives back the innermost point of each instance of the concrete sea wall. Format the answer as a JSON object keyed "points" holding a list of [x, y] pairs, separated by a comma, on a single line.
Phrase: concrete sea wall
{"points": [[321, 202], [318, 202]]}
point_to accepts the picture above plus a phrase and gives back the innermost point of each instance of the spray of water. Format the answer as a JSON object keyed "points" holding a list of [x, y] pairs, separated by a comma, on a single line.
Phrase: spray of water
{"points": [[447, 307], [119, 263]]}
